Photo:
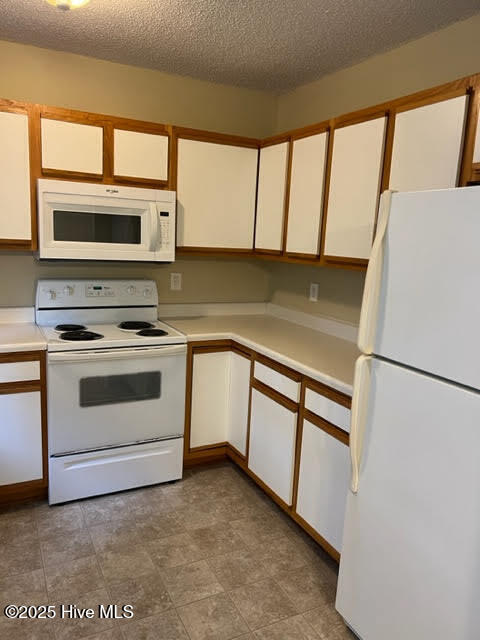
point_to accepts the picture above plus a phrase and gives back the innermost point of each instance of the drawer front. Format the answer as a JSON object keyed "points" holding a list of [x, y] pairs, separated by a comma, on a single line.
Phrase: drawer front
{"points": [[327, 409], [19, 371], [277, 381]]}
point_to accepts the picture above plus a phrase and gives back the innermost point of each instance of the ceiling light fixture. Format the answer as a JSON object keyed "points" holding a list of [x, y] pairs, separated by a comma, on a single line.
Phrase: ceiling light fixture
{"points": [[66, 5]]}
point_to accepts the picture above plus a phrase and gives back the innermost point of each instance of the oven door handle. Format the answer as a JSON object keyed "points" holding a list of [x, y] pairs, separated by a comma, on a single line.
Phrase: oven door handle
{"points": [[117, 354]]}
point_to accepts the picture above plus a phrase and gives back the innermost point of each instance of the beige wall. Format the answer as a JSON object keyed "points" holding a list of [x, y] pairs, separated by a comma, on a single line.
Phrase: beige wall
{"points": [[442, 56], [77, 82]]}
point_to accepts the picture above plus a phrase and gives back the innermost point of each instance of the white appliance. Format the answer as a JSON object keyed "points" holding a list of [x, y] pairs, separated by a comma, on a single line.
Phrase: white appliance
{"points": [[411, 548], [84, 221], [116, 387]]}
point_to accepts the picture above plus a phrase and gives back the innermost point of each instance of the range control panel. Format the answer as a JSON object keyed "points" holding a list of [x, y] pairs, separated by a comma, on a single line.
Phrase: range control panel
{"points": [[65, 294]]}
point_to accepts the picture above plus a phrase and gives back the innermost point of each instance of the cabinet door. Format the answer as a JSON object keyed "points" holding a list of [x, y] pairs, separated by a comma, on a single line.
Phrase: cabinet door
{"points": [[215, 195], [15, 211], [69, 146], [306, 194], [271, 455], [354, 187], [427, 146], [210, 388], [272, 178], [323, 483], [20, 437], [140, 155], [238, 402]]}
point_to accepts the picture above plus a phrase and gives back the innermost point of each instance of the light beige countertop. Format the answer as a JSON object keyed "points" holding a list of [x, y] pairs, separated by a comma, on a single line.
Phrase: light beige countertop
{"points": [[319, 355], [21, 336]]}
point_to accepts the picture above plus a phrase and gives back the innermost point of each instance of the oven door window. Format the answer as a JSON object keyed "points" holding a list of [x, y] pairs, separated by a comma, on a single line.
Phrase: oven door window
{"points": [[127, 387], [89, 226]]}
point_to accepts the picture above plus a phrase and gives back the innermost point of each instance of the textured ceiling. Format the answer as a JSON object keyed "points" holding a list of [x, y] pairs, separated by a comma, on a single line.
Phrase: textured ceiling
{"points": [[262, 44]]}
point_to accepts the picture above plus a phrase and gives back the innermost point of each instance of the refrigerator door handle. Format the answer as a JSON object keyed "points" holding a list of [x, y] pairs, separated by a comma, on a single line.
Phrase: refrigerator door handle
{"points": [[361, 386], [371, 292]]}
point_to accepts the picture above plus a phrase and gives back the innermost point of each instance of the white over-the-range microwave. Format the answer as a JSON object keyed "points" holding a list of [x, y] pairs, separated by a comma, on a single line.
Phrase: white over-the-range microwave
{"points": [[84, 221]]}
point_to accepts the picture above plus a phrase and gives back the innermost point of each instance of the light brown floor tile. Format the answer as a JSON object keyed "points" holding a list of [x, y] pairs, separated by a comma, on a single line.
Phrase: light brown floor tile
{"points": [[124, 563], [159, 525], [69, 545], [73, 628], [58, 519], [296, 628], [20, 556], [283, 554], [26, 629], [74, 578], [147, 594], [306, 587], [202, 514], [17, 525], [238, 568], [217, 540], [22, 589], [105, 508], [173, 551], [166, 626], [262, 603], [214, 618], [259, 528], [328, 623], [114, 535], [191, 582]]}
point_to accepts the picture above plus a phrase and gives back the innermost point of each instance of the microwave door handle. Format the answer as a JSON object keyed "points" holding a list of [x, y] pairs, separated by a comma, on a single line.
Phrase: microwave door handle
{"points": [[156, 239]]}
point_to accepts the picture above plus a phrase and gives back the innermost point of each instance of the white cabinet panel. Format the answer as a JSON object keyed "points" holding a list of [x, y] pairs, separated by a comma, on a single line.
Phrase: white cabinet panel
{"points": [[323, 483], [427, 146], [272, 444], [140, 155], [15, 212], [354, 186], [19, 371], [277, 381], [210, 388], [20, 437], [216, 186], [327, 409], [239, 395], [476, 148], [306, 193], [272, 177], [69, 146]]}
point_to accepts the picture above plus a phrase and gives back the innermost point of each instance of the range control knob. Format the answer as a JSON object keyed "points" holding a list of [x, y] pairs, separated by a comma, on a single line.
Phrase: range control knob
{"points": [[131, 290], [68, 290], [147, 292], [52, 294]]}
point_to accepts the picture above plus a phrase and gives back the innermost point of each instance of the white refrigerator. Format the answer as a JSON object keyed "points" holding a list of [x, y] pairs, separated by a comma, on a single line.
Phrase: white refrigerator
{"points": [[410, 562]]}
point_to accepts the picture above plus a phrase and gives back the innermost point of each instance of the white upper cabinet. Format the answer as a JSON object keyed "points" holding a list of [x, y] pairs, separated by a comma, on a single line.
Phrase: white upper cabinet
{"points": [[354, 187], [140, 155], [69, 146], [427, 146], [216, 186], [15, 212], [306, 194], [272, 179]]}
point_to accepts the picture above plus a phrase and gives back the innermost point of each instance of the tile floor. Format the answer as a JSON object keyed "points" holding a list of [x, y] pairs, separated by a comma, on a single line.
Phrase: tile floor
{"points": [[206, 558]]}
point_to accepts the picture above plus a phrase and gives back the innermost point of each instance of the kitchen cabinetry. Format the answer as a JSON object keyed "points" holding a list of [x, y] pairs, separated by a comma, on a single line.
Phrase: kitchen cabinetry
{"points": [[140, 156], [23, 465], [323, 482], [71, 148], [216, 185], [427, 145], [273, 428], [272, 182], [309, 160], [239, 393], [15, 193], [354, 186]]}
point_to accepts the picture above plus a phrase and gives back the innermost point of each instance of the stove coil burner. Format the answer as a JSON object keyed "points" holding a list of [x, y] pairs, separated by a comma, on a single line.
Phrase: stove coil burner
{"points": [[69, 327], [134, 325], [150, 333], [80, 336]]}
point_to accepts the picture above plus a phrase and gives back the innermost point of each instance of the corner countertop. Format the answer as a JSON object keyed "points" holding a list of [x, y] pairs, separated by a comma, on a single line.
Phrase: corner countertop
{"points": [[318, 355], [21, 336]]}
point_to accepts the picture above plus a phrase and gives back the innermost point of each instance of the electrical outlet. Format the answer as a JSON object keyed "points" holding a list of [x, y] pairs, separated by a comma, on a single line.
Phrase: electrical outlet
{"points": [[313, 292], [175, 282]]}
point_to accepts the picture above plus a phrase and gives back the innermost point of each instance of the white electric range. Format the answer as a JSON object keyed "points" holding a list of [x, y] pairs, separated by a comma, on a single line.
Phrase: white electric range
{"points": [[116, 387]]}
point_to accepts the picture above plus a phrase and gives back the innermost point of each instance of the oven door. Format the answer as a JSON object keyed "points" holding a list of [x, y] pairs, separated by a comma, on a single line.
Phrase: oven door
{"points": [[100, 399], [87, 227]]}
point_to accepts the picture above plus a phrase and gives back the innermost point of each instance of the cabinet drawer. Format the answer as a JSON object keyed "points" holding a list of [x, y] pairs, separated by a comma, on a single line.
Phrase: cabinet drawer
{"points": [[327, 409], [19, 371], [277, 381]]}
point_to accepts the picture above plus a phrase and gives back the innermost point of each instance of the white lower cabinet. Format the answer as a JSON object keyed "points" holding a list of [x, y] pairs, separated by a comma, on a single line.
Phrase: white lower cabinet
{"points": [[20, 437], [323, 483], [220, 393], [273, 430]]}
